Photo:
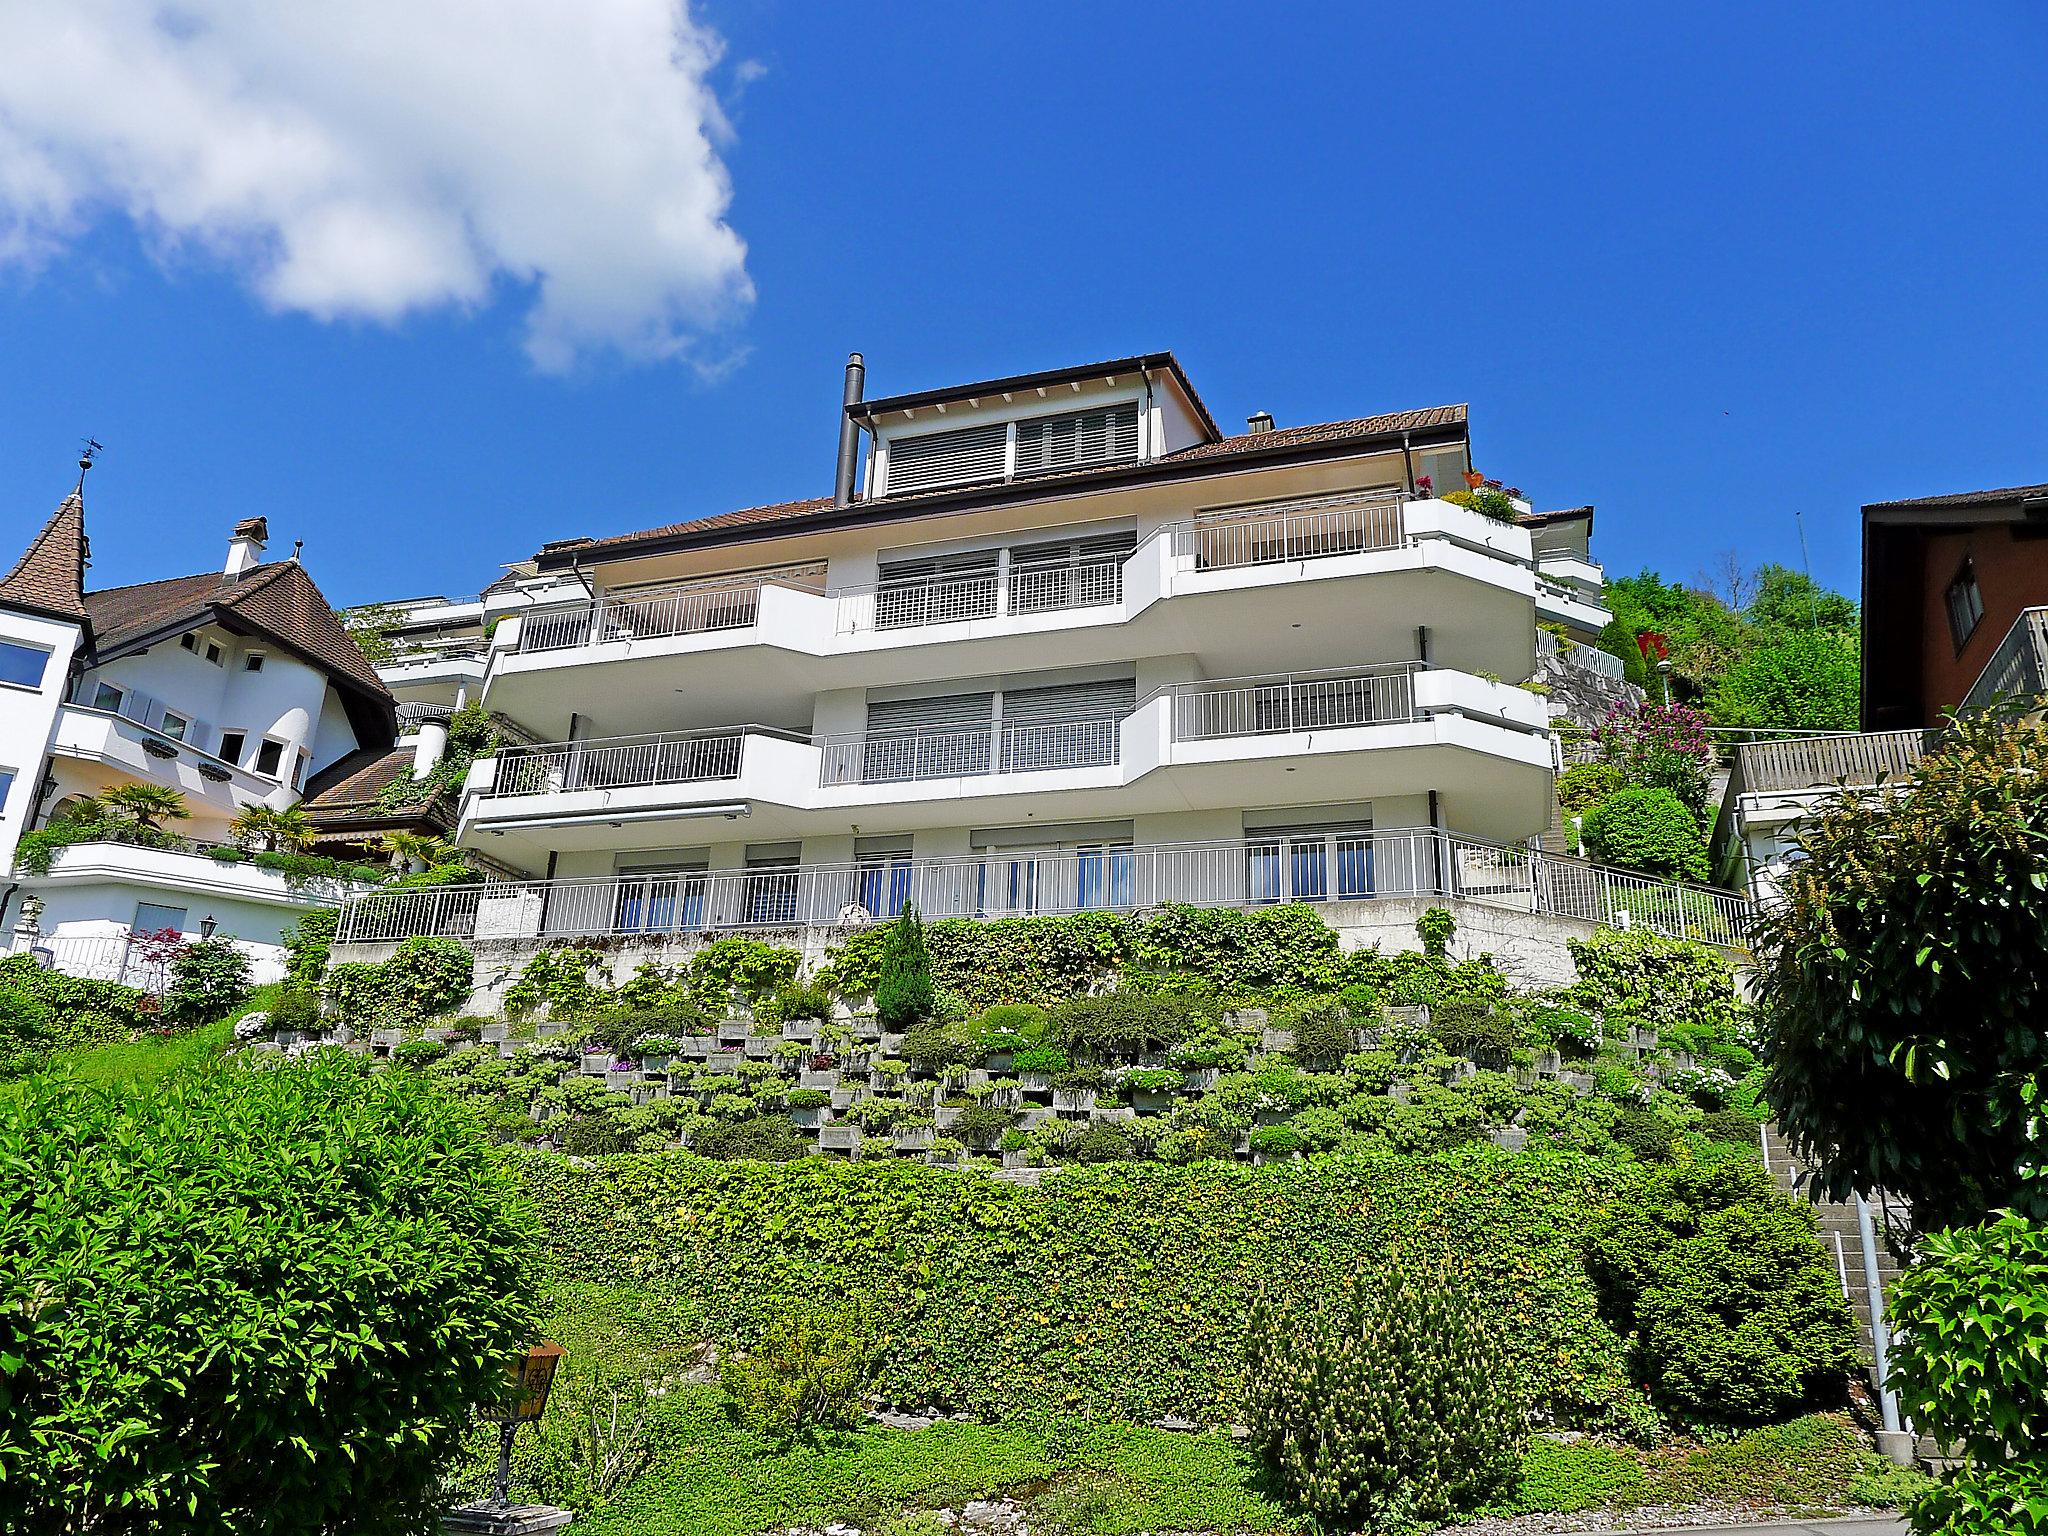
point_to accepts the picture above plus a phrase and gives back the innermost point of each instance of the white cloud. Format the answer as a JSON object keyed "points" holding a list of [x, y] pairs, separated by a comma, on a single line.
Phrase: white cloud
{"points": [[373, 158]]}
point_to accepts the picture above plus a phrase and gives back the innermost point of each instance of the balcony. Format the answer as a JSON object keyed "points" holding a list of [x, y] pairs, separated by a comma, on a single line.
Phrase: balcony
{"points": [[2018, 669], [123, 742], [989, 594], [686, 608], [164, 862], [620, 761], [1826, 762], [1250, 872]]}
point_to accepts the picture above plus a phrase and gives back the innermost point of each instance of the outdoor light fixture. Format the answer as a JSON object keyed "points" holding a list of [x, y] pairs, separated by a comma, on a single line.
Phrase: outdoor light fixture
{"points": [[527, 1383], [206, 926]]}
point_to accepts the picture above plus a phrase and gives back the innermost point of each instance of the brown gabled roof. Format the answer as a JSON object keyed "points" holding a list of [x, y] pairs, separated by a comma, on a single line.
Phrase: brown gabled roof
{"points": [[2011, 493], [50, 576], [350, 800], [278, 601], [1182, 463]]}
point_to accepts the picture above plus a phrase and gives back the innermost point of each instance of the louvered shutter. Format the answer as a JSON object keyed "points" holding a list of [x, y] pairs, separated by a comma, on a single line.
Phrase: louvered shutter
{"points": [[1107, 436], [1073, 726], [940, 590], [1069, 573], [940, 738], [947, 458]]}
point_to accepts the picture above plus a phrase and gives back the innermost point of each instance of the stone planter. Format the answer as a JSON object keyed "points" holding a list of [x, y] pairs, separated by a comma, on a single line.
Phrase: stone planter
{"points": [[1510, 1138], [1073, 1100], [1642, 1039], [1548, 1063], [1018, 1160], [827, 1079], [807, 1117], [1580, 1083], [734, 1030], [892, 1044], [1276, 1039], [549, 1028], [866, 1026], [800, 1029], [725, 1063], [759, 1047], [656, 1063], [385, 1039], [507, 1049], [845, 1098], [647, 1093], [622, 1078], [1036, 1082], [994, 1064], [596, 1063], [1151, 1102], [838, 1138], [697, 1047], [1200, 1079], [913, 1141], [945, 1115], [491, 1034]]}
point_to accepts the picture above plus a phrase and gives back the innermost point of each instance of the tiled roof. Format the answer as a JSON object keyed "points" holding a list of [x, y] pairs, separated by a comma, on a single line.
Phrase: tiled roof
{"points": [[1562, 515], [352, 799], [278, 601], [50, 576], [1964, 498], [1330, 433]]}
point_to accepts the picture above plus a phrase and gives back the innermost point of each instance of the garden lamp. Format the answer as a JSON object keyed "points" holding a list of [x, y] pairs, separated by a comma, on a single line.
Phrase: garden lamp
{"points": [[528, 1380], [206, 926]]}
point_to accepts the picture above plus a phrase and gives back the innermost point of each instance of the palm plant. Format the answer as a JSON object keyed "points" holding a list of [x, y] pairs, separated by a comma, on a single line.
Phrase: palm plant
{"points": [[289, 830], [143, 807], [423, 849]]}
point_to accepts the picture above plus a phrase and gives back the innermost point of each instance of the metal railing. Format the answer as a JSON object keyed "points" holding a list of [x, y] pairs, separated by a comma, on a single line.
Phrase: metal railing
{"points": [[1349, 523], [1310, 701], [960, 596], [412, 716], [1253, 871], [108, 957], [692, 608], [1816, 762], [2018, 669], [617, 761], [894, 757]]}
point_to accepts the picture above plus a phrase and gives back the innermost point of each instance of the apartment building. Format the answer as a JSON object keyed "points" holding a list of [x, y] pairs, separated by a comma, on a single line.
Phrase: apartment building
{"points": [[232, 687], [1055, 642]]}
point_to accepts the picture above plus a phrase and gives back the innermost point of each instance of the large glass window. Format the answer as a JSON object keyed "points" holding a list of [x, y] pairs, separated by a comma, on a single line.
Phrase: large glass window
{"points": [[23, 665]]}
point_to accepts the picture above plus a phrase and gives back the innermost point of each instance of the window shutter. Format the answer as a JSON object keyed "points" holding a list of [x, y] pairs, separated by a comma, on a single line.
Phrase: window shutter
{"points": [[1107, 436], [1072, 726], [939, 738], [947, 458]]}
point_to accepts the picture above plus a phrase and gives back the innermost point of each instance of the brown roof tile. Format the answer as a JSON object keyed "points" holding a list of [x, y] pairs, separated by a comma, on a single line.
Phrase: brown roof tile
{"points": [[1325, 432], [1965, 498], [279, 601], [352, 799], [50, 576]]}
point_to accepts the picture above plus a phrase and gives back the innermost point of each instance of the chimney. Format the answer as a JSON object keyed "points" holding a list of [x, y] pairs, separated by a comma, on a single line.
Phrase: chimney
{"points": [[849, 433], [429, 746], [245, 548], [1259, 421]]}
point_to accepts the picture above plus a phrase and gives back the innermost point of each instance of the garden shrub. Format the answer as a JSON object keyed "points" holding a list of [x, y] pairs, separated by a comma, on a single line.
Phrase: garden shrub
{"points": [[307, 944], [1647, 830], [281, 1292], [1121, 1023], [1971, 1369], [1733, 1306], [1585, 785], [424, 978], [295, 1008], [1480, 1030], [1665, 983], [1113, 1292], [982, 1124], [1644, 1134], [594, 1136], [903, 989], [25, 1032], [1100, 1143], [1322, 1031], [1388, 1404], [419, 1053], [812, 1368], [1661, 746], [207, 980], [766, 1138], [46, 1011]]}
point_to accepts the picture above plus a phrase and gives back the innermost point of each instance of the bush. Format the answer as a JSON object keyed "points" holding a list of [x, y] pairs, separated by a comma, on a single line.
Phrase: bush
{"points": [[1480, 1030], [419, 1053], [1900, 986], [307, 944], [812, 1368], [1100, 1143], [1806, 680], [1390, 1403], [765, 1138], [903, 991], [803, 1000], [423, 979], [1644, 1134], [1121, 1023], [1971, 1368], [1585, 785], [1658, 746], [981, 1124], [1649, 831], [1323, 1032], [281, 1292], [207, 980], [25, 1032], [295, 1008], [594, 1136], [1734, 1307]]}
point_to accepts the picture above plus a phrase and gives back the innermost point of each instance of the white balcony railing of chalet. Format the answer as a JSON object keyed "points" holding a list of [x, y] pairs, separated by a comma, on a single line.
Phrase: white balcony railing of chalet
{"points": [[147, 711], [687, 608], [1355, 866], [614, 762], [960, 596], [896, 757], [1817, 762], [1314, 701], [2018, 669], [1348, 523]]}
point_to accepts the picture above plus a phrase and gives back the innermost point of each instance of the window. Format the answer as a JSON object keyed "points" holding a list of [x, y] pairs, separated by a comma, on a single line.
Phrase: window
{"points": [[231, 745], [299, 769], [253, 662], [1965, 604], [151, 918], [269, 756], [213, 654], [945, 589], [106, 696], [6, 784], [948, 458], [1087, 437], [189, 642], [175, 726], [23, 665]]}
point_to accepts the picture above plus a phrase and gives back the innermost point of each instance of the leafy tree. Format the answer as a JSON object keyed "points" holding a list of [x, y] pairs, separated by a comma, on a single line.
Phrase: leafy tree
{"points": [[146, 807], [424, 850], [1704, 635], [1791, 600], [1648, 830], [207, 979], [903, 994], [1808, 680], [287, 830], [1584, 785], [249, 1302], [1902, 981]]}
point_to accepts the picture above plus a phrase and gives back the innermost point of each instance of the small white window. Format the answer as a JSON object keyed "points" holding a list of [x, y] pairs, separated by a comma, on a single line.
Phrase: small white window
{"points": [[299, 769], [268, 757], [231, 745], [190, 642], [175, 726], [253, 662], [153, 918], [23, 665], [107, 697]]}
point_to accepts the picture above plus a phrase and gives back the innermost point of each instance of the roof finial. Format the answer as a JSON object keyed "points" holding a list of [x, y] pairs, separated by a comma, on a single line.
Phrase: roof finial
{"points": [[297, 545], [86, 455]]}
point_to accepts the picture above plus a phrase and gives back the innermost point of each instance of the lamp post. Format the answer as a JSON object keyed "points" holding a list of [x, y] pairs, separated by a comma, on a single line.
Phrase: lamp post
{"points": [[528, 1381], [206, 926]]}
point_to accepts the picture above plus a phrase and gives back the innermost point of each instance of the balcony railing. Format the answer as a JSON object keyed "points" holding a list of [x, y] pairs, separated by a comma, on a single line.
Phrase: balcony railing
{"points": [[895, 757], [1314, 701], [614, 762], [1346, 524], [685, 609], [2018, 669], [960, 596], [1346, 866], [1816, 762]]}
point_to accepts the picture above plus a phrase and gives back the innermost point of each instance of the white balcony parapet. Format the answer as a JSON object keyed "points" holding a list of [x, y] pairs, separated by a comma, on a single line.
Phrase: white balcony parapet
{"points": [[685, 608], [2018, 669], [960, 597], [1406, 862], [689, 757]]}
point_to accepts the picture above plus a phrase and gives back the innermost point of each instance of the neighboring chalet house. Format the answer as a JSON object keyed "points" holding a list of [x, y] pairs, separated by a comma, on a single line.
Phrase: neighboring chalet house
{"points": [[1955, 615], [1056, 642], [234, 687]]}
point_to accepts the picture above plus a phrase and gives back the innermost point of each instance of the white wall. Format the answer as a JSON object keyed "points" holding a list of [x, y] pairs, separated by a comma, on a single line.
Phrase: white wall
{"points": [[26, 718], [109, 910]]}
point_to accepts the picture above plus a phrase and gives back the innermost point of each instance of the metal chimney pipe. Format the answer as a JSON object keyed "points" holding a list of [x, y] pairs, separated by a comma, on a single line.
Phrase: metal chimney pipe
{"points": [[849, 432]]}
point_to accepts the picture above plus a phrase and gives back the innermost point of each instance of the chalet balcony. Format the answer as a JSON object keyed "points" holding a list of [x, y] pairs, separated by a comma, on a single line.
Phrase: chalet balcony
{"points": [[1802, 764]]}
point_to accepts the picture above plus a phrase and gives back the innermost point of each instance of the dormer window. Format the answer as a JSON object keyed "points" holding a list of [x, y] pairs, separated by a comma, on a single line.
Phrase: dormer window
{"points": [[1002, 450], [948, 458]]}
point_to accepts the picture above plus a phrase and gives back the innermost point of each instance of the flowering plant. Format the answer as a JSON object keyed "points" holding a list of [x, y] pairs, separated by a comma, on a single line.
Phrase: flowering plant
{"points": [[1661, 746]]}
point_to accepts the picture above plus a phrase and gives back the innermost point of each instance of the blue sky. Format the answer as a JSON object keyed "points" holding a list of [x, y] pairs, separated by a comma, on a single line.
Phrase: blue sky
{"points": [[1700, 272]]}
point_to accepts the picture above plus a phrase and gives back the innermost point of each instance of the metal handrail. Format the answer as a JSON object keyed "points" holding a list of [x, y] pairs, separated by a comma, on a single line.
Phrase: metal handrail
{"points": [[702, 606], [957, 597], [893, 757], [615, 762], [2018, 668], [1241, 872], [1347, 523], [1206, 709]]}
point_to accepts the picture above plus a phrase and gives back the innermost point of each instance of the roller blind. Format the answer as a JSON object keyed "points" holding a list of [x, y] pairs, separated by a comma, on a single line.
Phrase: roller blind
{"points": [[947, 458], [1107, 436]]}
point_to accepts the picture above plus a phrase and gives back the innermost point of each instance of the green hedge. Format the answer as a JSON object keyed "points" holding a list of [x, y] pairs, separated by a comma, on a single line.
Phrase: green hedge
{"points": [[1109, 1292]]}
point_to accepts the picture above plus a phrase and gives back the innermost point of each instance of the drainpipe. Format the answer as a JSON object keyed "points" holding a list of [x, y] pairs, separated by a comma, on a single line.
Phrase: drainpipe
{"points": [[849, 431], [1407, 464], [1436, 844]]}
